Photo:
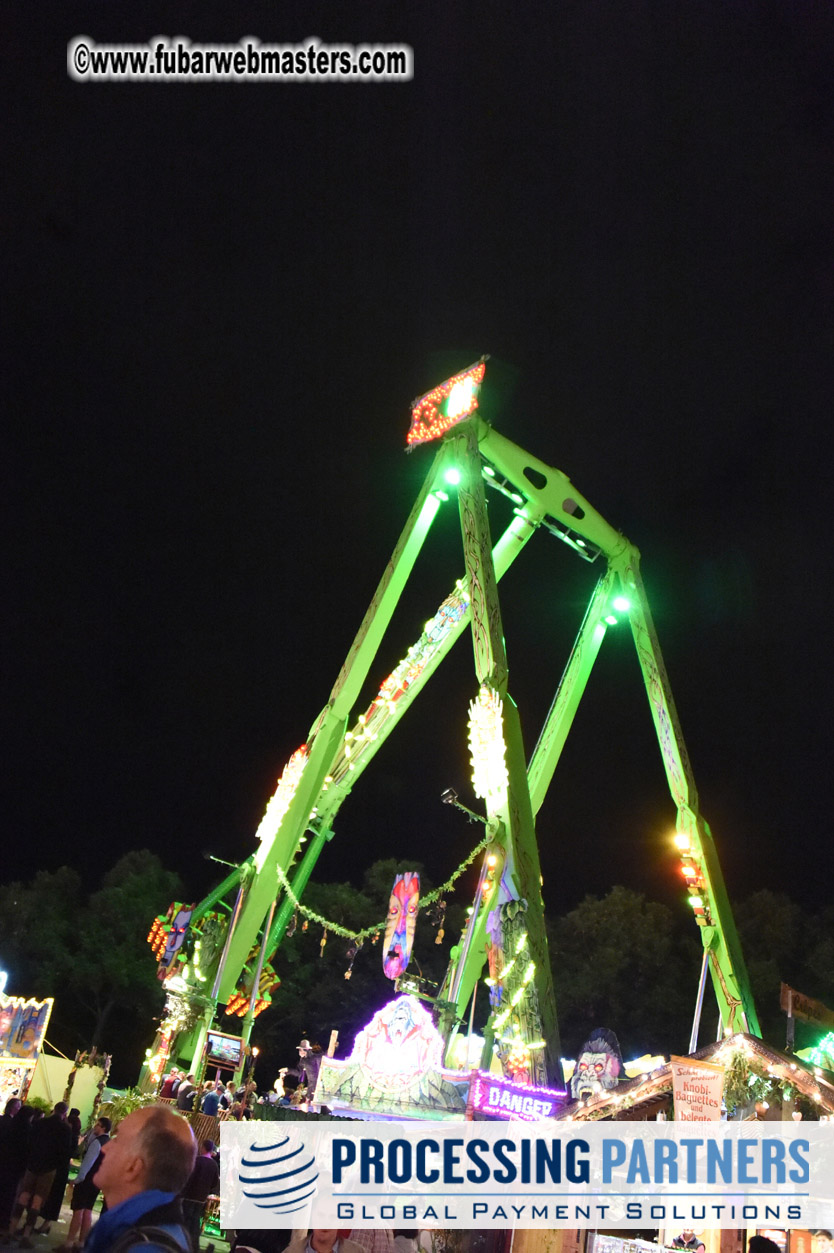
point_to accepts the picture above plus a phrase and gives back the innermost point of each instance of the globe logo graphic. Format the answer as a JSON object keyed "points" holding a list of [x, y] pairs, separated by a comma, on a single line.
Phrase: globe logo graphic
{"points": [[278, 1178]]}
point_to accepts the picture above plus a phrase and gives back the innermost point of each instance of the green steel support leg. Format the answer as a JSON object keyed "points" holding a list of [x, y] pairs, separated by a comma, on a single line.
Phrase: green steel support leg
{"points": [[718, 932], [380, 721], [552, 492], [328, 730], [569, 693], [515, 824]]}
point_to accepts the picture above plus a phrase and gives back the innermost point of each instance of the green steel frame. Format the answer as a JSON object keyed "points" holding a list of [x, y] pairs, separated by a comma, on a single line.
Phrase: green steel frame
{"points": [[339, 751]]}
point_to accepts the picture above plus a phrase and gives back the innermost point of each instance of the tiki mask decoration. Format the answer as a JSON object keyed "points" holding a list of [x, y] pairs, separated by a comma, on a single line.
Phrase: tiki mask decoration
{"points": [[399, 928]]}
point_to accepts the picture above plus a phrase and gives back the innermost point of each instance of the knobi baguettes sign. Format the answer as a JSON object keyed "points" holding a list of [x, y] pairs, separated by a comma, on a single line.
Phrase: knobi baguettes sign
{"points": [[697, 1089]]}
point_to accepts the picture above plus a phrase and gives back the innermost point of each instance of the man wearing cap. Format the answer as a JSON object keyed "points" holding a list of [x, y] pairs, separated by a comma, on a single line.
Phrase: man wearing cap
{"points": [[203, 1183], [309, 1065]]}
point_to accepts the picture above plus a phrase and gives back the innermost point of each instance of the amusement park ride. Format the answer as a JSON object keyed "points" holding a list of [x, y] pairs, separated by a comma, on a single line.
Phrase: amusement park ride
{"points": [[215, 956]]}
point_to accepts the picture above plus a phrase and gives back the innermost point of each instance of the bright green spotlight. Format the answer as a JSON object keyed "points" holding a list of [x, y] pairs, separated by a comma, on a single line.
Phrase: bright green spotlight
{"points": [[452, 476], [622, 603], [610, 619]]}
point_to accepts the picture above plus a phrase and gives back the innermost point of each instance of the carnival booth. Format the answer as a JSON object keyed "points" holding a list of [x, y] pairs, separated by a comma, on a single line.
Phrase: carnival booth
{"points": [[23, 1026]]}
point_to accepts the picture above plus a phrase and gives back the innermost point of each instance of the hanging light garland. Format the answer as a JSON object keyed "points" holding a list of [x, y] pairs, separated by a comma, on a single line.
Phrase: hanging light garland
{"points": [[373, 932]]}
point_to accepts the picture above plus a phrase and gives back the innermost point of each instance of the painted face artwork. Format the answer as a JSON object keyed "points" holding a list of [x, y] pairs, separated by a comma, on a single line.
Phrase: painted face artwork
{"points": [[402, 919], [176, 936], [598, 1066], [398, 1046]]}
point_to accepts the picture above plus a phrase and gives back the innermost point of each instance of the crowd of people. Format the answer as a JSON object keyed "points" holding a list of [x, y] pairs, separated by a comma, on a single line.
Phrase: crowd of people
{"points": [[153, 1179], [35, 1154], [212, 1097]]}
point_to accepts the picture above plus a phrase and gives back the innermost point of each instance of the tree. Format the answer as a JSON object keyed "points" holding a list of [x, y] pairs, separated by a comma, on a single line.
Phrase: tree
{"points": [[820, 959], [314, 997], [771, 928], [620, 962], [90, 955], [113, 965], [39, 931]]}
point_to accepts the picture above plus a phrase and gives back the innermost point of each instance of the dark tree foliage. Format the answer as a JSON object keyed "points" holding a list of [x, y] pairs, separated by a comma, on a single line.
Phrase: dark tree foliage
{"points": [[90, 954], [39, 930], [782, 944], [620, 961], [112, 968], [821, 956]]}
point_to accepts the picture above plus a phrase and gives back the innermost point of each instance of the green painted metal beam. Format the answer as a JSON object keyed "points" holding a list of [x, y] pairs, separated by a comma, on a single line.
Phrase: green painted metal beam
{"points": [[571, 688], [327, 731], [552, 492], [719, 936], [513, 816], [380, 722]]}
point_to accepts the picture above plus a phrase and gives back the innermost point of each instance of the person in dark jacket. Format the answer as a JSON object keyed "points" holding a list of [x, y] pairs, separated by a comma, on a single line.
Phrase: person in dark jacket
{"points": [[51, 1208], [84, 1191], [12, 1158], [50, 1145], [74, 1121], [203, 1183], [186, 1093]]}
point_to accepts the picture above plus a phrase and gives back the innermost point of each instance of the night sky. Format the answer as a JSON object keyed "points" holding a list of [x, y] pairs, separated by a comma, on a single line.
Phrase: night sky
{"points": [[219, 301]]}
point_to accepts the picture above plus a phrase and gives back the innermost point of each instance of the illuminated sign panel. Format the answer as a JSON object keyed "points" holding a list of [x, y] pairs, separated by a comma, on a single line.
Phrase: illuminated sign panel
{"points": [[495, 1097], [22, 1027], [445, 405], [22, 1031]]}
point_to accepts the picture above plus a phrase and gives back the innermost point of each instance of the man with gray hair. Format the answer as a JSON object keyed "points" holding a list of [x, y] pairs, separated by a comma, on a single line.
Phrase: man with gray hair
{"points": [[141, 1172]]}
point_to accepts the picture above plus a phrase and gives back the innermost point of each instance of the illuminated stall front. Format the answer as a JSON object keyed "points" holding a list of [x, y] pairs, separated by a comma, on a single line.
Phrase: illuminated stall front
{"points": [[395, 1070], [23, 1026]]}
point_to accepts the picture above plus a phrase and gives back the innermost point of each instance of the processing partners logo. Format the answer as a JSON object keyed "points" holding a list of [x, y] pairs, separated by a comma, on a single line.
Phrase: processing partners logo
{"points": [[278, 1177], [546, 1174]]}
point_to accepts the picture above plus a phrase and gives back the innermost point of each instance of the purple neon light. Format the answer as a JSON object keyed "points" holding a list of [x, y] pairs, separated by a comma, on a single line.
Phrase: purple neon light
{"points": [[515, 1101]]}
